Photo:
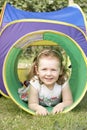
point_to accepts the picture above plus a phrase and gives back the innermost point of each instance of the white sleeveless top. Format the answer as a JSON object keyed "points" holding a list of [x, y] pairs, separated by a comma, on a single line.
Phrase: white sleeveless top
{"points": [[47, 97]]}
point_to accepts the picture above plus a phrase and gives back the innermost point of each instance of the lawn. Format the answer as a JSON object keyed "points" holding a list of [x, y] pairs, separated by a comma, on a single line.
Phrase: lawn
{"points": [[14, 118]]}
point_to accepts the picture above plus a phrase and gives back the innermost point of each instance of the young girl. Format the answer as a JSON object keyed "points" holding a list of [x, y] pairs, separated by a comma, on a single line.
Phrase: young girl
{"points": [[49, 86]]}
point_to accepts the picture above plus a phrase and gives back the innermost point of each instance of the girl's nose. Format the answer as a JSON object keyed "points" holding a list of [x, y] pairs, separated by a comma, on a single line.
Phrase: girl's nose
{"points": [[48, 72]]}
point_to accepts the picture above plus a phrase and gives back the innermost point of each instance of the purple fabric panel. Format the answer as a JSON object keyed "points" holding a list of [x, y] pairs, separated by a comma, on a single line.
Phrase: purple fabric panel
{"points": [[15, 31], [27, 27]]}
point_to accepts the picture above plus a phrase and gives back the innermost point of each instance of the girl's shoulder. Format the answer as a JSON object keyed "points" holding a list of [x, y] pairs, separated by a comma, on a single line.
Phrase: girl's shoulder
{"points": [[34, 82], [66, 84], [34, 79]]}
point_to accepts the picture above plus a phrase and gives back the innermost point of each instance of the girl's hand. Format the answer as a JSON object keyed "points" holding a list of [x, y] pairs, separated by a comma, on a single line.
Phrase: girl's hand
{"points": [[41, 111], [58, 108]]}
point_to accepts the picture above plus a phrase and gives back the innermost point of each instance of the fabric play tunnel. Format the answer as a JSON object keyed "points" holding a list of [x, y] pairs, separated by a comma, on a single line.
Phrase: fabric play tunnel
{"points": [[15, 23], [78, 79]]}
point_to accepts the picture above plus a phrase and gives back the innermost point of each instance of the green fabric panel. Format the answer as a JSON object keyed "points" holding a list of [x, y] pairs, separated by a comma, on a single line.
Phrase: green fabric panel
{"points": [[79, 69], [11, 76]]}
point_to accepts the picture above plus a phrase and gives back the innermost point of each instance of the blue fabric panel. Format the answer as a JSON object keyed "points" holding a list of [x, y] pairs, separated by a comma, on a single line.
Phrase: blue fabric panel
{"points": [[70, 14]]}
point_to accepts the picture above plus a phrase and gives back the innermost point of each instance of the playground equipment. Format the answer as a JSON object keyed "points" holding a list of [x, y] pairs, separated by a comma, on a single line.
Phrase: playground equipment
{"points": [[20, 28]]}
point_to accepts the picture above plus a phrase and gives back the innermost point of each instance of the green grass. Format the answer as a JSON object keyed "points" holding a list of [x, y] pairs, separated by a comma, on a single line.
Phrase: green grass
{"points": [[14, 118]]}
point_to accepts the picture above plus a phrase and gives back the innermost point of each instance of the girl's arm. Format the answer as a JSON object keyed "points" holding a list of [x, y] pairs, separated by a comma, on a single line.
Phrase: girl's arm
{"points": [[33, 102], [67, 99], [67, 96]]}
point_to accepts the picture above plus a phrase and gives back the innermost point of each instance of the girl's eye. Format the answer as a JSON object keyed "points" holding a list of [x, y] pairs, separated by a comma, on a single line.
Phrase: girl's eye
{"points": [[44, 69], [53, 69]]}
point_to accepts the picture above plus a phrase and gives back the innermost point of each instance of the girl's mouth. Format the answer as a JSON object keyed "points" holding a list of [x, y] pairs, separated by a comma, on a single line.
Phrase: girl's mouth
{"points": [[49, 79]]}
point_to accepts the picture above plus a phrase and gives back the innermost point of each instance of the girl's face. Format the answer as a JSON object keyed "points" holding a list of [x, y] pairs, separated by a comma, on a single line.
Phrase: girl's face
{"points": [[48, 70]]}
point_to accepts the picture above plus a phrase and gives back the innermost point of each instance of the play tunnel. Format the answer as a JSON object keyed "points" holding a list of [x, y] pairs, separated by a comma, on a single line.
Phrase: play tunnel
{"points": [[15, 23], [19, 29], [78, 78]]}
